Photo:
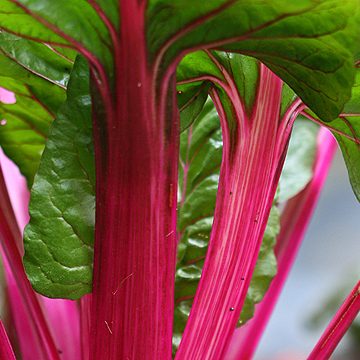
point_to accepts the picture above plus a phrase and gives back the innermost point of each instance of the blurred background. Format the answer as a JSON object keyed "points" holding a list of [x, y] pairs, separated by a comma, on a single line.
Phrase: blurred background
{"points": [[325, 271]]}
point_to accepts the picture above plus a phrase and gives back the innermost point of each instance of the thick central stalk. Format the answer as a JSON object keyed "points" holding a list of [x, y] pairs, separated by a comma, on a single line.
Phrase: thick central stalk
{"points": [[135, 245], [248, 178]]}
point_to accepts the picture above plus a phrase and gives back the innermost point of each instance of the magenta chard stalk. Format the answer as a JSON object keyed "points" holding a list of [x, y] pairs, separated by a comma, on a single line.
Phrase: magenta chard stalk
{"points": [[11, 236], [338, 326], [6, 351], [135, 243], [294, 222], [253, 155]]}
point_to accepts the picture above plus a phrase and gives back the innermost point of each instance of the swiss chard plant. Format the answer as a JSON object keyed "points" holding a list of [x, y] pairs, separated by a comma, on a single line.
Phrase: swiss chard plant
{"points": [[174, 157]]}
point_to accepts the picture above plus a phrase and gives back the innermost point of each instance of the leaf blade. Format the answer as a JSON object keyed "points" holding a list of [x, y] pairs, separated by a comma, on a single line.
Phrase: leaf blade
{"points": [[58, 240]]}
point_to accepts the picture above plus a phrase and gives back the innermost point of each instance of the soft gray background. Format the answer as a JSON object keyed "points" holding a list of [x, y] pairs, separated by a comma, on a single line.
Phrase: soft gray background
{"points": [[328, 260]]}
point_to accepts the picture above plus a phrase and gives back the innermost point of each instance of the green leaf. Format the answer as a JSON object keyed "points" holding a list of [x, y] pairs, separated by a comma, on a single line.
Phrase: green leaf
{"points": [[71, 23], [353, 105], [297, 170], [38, 77], [224, 71], [309, 44], [346, 129], [265, 269], [110, 9], [347, 133], [36, 58], [59, 238], [191, 100]]}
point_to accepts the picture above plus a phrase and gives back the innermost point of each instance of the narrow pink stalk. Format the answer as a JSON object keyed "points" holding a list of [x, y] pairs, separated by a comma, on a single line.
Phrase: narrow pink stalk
{"points": [[6, 351], [85, 325], [18, 193], [338, 326], [252, 161], [24, 302], [136, 152], [64, 322], [10, 237], [61, 315], [294, 222]]}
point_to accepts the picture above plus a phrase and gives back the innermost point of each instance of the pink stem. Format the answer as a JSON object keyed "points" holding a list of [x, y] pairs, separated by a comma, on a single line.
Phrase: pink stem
{"points": [[85, 325], [136, 152], [249, 174], [61, 315], [338, 326], [294, 222], [6, 351], [64, 322], [10, 238]]}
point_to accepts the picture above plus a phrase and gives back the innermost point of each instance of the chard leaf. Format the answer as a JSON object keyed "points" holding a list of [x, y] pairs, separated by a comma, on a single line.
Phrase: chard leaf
{"points": [[346, 129], [309, 44], [59, 238], [224, 71], [191, 100], [110, 8], [350, 147], [38, 77], [297, 171], [68, 23]]}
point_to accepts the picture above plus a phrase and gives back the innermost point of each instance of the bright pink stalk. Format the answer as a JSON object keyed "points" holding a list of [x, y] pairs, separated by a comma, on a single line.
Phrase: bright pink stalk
{"points": [[85, 325], [64, 323], [6, 351], [338, 326], [10, 238], [62, 315], [253, 155], [294, 222], [136, 156]]}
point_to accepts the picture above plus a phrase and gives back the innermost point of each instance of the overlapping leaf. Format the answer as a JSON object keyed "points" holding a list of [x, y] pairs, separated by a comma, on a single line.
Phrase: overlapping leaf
{"points": [[346, 129], [38, 76], [59, 238], [309, 44], [68, 23]]}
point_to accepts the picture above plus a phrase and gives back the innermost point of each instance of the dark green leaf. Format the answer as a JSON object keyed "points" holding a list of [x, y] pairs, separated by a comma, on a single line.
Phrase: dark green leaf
{"points": [[350, 147], [110, 9], [346, 129], [309, 44], [59, 237], [191, 100]]}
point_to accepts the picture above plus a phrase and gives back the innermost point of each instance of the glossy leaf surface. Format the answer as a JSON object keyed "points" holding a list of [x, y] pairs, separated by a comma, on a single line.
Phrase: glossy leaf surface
{"points": [[309, 44], [59, 237], [38, 77]]}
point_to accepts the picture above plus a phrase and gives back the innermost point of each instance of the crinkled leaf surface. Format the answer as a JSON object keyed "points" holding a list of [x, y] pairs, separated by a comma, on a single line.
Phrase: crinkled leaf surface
{"points": [[38, 77], [59, 238], [309, 44]]}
